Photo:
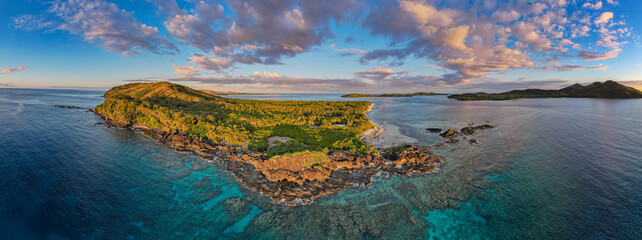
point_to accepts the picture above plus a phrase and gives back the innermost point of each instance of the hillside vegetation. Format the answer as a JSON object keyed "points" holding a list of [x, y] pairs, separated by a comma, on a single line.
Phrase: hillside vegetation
{"points": [[608, 89], [173, 108]]}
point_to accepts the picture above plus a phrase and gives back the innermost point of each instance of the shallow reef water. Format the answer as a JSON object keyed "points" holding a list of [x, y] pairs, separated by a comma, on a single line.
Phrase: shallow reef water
{"points": [[552, 168]]}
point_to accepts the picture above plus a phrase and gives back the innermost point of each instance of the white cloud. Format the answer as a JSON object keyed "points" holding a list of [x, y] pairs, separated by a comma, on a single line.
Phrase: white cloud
{"points": [[527, 32], [10, 70], [580, 31], [564, 42], [348, 51], [209, 63], [604, 18], [377, 73], [455, 37], [429, 19], [506, 16], [592, 56], [266, 74], [595, 6], [185, 70]]}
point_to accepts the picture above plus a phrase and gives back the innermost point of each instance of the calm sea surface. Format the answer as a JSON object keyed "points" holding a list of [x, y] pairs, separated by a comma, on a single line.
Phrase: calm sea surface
{"points": [[551, 169]]}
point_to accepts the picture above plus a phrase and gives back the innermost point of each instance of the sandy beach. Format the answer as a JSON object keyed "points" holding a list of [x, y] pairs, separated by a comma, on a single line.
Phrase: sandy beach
{"points": [[371, 136]]}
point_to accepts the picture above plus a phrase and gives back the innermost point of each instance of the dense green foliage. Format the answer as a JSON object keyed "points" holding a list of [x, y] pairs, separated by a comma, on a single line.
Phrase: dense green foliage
{"points": [[358, 95], [608, 89], [394, 151], [168, 107]]}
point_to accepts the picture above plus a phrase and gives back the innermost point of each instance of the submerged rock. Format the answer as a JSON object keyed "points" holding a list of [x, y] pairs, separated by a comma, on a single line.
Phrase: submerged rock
{"points": [[452, 140], [69, 107], [485, 126], [434, 130], [475, 141]]}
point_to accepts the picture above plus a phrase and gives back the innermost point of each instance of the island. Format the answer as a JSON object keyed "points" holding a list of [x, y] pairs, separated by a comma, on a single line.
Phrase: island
{"points": [[358, 95], [215, 93], [289, 151], [607, 89]]}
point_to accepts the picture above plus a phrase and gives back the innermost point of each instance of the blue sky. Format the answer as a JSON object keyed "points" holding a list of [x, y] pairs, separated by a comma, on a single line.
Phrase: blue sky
{"points": [[309, 46]]}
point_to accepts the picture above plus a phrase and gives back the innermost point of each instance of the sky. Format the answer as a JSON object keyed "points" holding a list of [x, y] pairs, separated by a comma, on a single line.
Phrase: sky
{"points": [[312, 46]]}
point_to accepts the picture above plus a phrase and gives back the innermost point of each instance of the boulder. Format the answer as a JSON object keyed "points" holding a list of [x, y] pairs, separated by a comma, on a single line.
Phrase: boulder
{"points": [[450, 133], [470, 130]]}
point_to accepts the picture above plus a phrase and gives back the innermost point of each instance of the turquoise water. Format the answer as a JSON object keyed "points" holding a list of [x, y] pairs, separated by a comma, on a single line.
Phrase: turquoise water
{"points": [[552, 168]]}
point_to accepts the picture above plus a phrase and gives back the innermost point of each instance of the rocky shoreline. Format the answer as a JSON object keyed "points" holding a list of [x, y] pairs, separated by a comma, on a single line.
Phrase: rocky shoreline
{"points": [[293, 186]]}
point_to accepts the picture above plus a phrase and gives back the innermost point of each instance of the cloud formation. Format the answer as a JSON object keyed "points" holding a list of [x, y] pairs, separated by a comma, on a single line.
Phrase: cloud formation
{"points": [[460, 37], [260, 32], [272, 80], [466, 40], [593, 6], [10, 70], [103, 22]]}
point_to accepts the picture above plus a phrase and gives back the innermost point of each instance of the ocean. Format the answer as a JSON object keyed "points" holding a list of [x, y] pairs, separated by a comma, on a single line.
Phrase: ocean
{"points": [[550, 169]]}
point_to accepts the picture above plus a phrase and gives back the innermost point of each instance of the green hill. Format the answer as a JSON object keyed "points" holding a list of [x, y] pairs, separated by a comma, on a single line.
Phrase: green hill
{"points": [[608, 89], [172, 108]]}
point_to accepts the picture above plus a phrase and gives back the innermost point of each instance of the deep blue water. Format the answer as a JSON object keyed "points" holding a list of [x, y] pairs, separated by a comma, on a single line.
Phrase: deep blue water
{"points": [[551, 169]]}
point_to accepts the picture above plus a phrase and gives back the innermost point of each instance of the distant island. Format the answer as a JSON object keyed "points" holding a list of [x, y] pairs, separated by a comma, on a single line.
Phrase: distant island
{"points": [[608, 89], [291, 151], [358, 95], [230, 93]]}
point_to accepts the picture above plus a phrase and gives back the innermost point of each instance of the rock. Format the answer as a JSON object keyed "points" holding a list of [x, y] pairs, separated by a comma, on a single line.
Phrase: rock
{"points": [[452, 141], [470, 130], [97, 124], [69, 107], [485, 126], [475, 141], [434, 130], [450, 133]]}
